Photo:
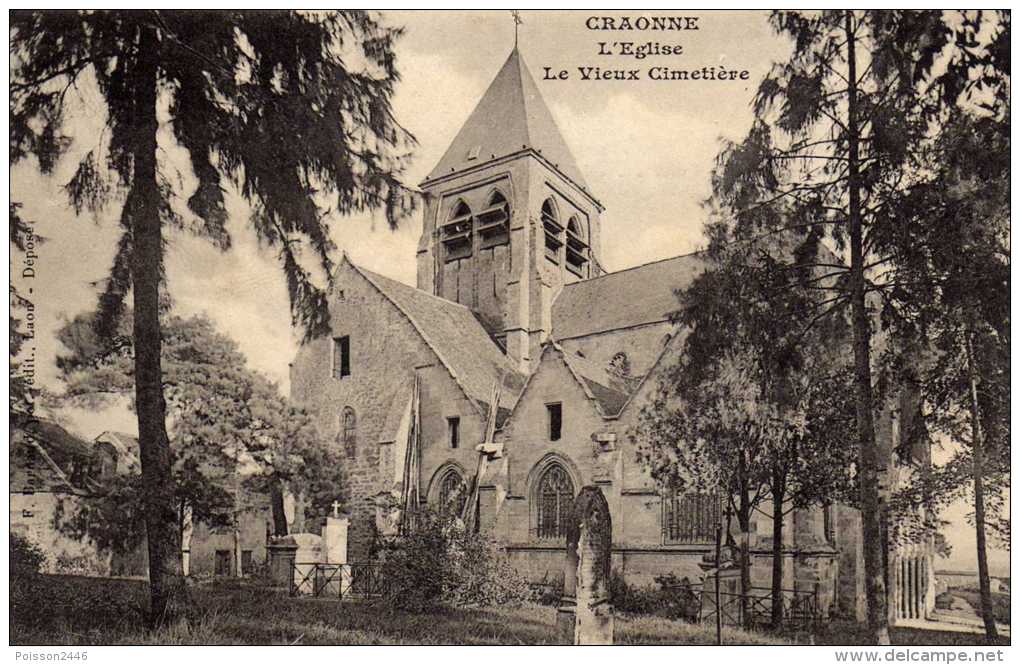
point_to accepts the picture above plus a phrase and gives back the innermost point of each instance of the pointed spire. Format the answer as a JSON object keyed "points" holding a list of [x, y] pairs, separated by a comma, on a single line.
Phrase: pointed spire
{"points": [[511, 116]]}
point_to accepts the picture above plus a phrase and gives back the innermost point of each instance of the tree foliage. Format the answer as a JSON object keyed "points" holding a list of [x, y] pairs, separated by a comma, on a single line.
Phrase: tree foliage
{"points": [[231, 431], [290, 109], [23, 390], [759, 412], [839, 140]]}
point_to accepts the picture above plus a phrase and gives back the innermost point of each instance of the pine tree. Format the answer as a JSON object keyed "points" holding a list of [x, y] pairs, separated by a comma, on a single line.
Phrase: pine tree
{"points": [[952, 291], [838, 138], [291, 109]]}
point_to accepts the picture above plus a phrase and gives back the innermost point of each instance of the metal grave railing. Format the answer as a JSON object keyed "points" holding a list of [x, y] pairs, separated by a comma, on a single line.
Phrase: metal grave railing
{"points": [[337, 580]]}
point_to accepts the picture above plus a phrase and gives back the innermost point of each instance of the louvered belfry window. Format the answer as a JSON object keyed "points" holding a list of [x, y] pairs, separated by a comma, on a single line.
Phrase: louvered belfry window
{"points": [[494, 221], [553, 231], [456, 233], [689, 518], [577, 246], [555, 502]]}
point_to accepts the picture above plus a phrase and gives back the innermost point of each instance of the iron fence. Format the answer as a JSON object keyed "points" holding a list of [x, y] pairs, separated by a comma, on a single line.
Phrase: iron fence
{"points": [[337, 580], [801, 609]]}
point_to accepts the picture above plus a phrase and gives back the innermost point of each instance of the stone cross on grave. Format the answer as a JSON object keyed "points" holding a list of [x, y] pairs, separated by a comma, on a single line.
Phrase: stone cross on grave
{"points": [[336, 508]]}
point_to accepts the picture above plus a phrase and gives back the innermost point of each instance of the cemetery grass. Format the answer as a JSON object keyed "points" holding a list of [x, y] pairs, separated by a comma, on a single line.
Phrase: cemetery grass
{"points": [[99, 611], [70, 610]]}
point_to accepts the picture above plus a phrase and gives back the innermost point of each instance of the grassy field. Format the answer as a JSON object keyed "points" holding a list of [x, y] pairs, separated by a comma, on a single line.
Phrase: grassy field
{"points": [[92, 611]]}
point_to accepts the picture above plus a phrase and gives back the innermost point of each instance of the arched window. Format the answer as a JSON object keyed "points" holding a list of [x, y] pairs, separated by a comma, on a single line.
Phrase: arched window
{"points": [[577, 245], [549, 211], [494, 221], [452, 493], [553, 231], [349, 431], [575, 227], [456, 232], [555, 498]]}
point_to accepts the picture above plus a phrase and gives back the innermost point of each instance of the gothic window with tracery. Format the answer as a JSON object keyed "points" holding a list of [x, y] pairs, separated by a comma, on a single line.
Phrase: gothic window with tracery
{"points": [[555, 498], [451, 493]]}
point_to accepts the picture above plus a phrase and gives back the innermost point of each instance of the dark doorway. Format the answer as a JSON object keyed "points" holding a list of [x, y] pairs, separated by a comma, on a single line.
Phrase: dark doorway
{"points": [[223, 563]]}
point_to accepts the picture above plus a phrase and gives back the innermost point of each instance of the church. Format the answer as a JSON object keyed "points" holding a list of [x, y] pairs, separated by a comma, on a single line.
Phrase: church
{"points": [[515, 370]]}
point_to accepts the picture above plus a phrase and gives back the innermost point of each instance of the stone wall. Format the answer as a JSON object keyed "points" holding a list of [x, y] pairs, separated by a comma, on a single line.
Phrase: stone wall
{"points": [[527, 442], [386, 352], [206, 541]]}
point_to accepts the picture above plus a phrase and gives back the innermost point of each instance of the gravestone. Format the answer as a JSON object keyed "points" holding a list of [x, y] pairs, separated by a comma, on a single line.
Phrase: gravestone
{"points": [[282, 552], [585, 614], [306, 557], [334, 536], [336, 580], [729, 592]]}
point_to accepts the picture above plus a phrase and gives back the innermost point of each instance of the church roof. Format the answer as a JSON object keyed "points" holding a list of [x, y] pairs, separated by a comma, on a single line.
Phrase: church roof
{"points": [[65, 457], [609, 391], [623, 299], [511, 116], [457, 338], [63, 446]]}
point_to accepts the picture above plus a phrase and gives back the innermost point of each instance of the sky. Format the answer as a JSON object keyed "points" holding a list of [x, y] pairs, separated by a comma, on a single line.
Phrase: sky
{"points": [[646, 149]]}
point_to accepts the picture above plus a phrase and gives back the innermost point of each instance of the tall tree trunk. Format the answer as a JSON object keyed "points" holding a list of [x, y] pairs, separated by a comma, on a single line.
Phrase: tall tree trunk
{"points": [[744, 522], [279, 512], [166, 581], [871, 501], [977, 453], [778, 495]]}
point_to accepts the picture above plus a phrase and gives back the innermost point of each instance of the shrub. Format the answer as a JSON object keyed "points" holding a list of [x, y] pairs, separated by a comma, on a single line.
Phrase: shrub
{"points": [[26, 557], [944, 601], [440, 562], [27, 560], [673, 599], [547, 594]]}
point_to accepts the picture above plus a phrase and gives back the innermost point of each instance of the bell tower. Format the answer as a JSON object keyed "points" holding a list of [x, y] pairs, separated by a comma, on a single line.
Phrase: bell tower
{"points": [[508, 217]]}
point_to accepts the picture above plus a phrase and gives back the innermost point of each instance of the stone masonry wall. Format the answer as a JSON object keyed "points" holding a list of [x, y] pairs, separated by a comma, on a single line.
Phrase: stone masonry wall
{"points": [[386, 351]]}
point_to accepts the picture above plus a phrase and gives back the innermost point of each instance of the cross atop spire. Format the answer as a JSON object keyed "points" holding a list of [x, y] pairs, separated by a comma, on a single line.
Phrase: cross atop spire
{"points": [[517, 22]]}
